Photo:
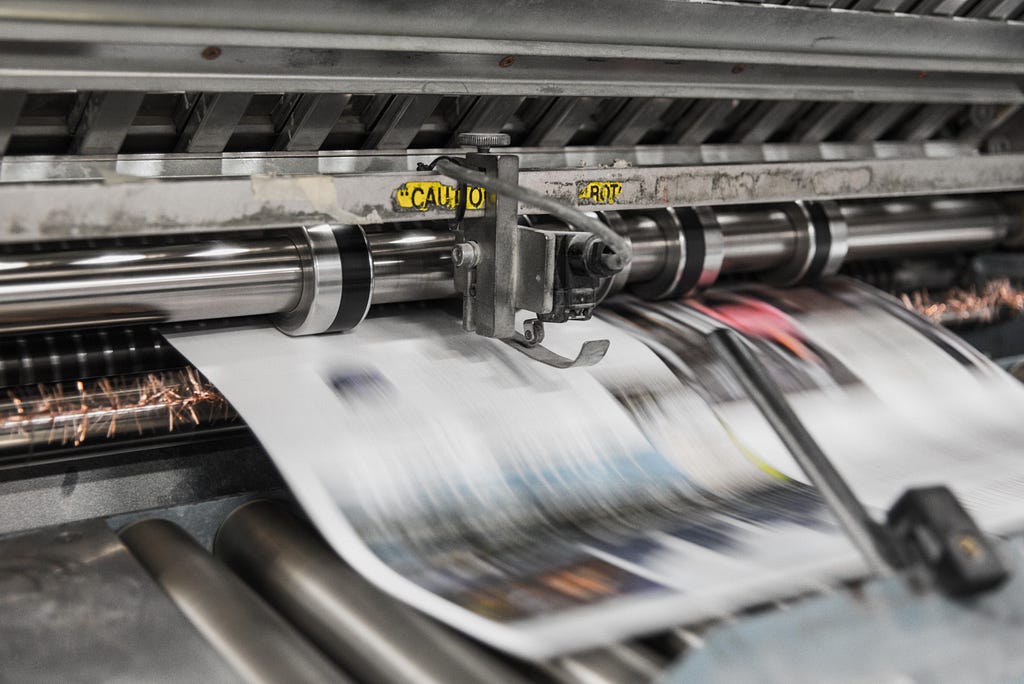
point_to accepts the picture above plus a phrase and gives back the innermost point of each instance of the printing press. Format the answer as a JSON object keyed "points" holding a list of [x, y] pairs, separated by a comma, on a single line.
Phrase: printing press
{"points": [[713, 179]]}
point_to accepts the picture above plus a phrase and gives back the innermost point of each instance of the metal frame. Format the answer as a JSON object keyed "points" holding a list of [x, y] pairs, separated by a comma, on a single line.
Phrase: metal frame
{"points": [[41, 211], [576, 28], [112, 168], [138, 66]]}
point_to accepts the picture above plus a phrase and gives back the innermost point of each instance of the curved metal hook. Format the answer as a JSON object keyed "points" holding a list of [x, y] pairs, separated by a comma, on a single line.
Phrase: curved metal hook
{"points": [[590, 353]]}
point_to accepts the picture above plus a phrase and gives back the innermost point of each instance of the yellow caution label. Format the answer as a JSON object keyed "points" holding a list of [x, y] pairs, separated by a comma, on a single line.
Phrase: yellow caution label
{"points": [[425, 195], [598, 192]]}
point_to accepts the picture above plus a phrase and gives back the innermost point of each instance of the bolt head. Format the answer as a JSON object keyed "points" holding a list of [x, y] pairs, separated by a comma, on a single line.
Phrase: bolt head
{"points": [[466, 254]]}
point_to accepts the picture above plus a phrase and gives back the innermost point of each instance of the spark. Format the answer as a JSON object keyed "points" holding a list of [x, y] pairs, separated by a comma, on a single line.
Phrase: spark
{"points": [[155, 402], [995, 300]]}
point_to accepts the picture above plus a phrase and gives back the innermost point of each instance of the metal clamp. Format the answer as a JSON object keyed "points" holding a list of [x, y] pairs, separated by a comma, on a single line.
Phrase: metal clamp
{"points": [[502, 267]]}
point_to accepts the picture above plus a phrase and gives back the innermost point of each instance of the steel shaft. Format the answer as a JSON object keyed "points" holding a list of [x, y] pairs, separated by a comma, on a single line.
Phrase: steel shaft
{"points": [[374, 636], [47, 290], [254, 639]]}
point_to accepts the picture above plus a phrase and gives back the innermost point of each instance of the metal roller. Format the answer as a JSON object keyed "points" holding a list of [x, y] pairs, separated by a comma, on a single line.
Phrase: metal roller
{"points": [[82, 354], [374, 636], [254, 639], [617, 664], [126, 285], [324, 278], [899, 227], [411, 258]]}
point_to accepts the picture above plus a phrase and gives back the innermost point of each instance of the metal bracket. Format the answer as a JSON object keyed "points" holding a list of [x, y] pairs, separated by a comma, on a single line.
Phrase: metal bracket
{"points": [[502, 268]]}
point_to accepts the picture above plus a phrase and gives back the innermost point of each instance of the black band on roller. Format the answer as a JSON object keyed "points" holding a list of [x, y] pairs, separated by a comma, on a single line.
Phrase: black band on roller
{"points": [[356, 277]]}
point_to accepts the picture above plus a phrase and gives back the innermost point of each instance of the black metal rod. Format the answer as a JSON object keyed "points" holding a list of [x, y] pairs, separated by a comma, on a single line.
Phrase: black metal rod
{"points": [[870, 537]]}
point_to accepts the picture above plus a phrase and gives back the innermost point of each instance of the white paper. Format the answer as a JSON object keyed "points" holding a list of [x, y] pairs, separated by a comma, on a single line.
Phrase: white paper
{"points": [[539, 510]]}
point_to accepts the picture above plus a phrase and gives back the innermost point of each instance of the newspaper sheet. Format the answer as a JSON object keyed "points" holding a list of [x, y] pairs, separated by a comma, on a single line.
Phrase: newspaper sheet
{"points": [[893, 400], [539, 510], [544, 511]]}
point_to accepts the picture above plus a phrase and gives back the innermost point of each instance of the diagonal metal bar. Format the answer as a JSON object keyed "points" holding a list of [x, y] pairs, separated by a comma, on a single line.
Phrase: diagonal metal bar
{"points": [[105, 122], [211, 121], [11, 104], [310, 121], [636, 118], [401, 120]]}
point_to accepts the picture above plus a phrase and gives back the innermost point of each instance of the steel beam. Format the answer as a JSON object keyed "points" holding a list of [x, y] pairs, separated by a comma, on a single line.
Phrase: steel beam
{"points": [[35, 211], [134, 66], [648, 29]]}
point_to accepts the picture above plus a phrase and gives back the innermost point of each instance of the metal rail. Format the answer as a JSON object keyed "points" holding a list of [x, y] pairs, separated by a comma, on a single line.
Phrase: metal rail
{"points": [[677, 251], [645, 30], [46, 211]]}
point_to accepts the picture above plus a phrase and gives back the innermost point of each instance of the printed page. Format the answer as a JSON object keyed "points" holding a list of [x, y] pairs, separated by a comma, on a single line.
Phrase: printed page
{"points": [[894, 401], [539, 510]]}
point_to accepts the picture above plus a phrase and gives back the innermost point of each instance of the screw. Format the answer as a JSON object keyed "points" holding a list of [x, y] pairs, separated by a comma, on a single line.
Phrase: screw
{"points": [[212, 52], [466, 254]]}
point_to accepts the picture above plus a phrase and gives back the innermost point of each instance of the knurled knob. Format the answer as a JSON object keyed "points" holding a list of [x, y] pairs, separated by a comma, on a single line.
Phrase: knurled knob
{"points": [[484, 141]]}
